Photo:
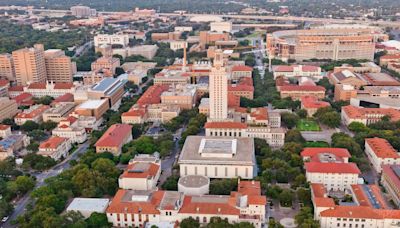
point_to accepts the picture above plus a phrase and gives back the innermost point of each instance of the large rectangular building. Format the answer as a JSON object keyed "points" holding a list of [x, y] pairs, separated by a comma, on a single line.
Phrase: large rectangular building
{"points": [[324, 43], [30, 65], [110, 89], [59, 67], [218, 157], [114, 138]]}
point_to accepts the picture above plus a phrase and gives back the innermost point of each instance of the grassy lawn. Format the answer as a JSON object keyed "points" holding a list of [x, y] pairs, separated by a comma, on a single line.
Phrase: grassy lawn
{"points": [[316, 144], [308, 125]]}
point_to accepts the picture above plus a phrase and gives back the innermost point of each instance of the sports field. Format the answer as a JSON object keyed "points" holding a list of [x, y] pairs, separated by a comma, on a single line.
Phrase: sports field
{"points": [[308, 125]]}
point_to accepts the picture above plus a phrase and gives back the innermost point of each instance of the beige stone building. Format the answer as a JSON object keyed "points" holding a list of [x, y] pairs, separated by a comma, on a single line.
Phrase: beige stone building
{"points": [[105, 63], [218, 87], [8, 108], [55, 147], [217, 157], [7, 69], [114, 138], [380, 152], [30, 65], [142, 173], [59, 112], [59, 67], [95, 108], [183, 96]]}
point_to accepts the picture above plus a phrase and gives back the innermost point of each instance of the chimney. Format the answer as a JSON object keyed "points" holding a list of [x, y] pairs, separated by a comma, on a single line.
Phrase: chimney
{"points": [[184, 58]]}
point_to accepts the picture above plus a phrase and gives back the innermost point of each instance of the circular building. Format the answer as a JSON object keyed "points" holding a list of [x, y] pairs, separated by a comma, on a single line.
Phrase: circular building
{"points": [[194, 185]]}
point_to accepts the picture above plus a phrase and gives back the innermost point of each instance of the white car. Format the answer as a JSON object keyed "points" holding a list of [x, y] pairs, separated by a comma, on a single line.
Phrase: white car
{"points": [[4, 219]]}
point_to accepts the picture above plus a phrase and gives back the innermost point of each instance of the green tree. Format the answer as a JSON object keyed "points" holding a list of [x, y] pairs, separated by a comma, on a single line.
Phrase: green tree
{"points": [[223, 186], [24, 184], [294, 135], [48, 125], [289, 119], [45, 100], [357, 127], [302, 113], [97, 220], [286, 198], [34, 147], [305, 218], [29, 126], [37, 135], [331, 119], [171, 183], [304, 196], [189, 223]]}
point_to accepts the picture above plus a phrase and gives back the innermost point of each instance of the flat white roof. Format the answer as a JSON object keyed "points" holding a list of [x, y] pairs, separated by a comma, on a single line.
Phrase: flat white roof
{"points": [[92, 104], [88, 204]]}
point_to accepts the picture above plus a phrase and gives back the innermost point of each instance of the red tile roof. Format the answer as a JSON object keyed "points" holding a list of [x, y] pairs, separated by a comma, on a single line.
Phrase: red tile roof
{"points": [[52, 143], [305, 68], [324, 202], [249, 187], [311, 152], [63, 85], [302, 88], [226, 125], [152, 95], [37, 85], [114, 136], [24, 98], [319, 167], [395, 56], [16, 89], [242, 68], [382, 148], [362, 212], [207, 206], [365, 113], [135, 112], [68, 97], [259, 113], [121, 205], [4, 82], [318, 190], [363, 198], [143, 170], [351, 212], [4, 127], [313, 102], [34, 113]]}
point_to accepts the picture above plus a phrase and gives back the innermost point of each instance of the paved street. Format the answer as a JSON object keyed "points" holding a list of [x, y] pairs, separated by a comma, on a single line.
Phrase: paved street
{"points": [[324, 135], [23, 202], [168, 163], [82, 49]]}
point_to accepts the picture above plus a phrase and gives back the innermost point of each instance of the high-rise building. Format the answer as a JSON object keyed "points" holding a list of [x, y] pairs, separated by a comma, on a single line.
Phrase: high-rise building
{"points": [[7, 70], [218, 89], [59, 67], [30, 65]]}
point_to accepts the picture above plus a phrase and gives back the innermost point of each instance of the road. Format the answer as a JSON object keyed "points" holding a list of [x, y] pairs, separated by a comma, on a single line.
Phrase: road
{"points": [[259, 53], [167, 164], [82, 49], [40, 178], [254, 17], [291, 18]]}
